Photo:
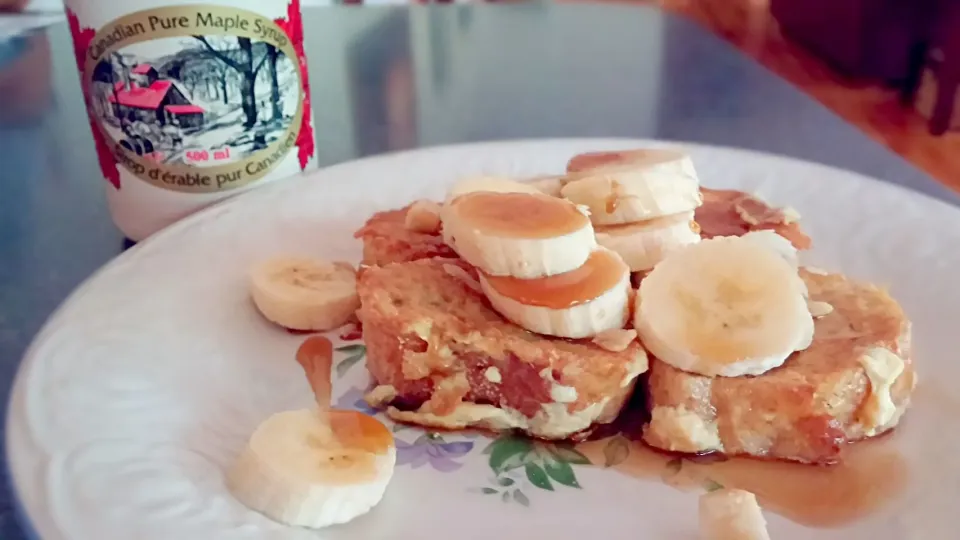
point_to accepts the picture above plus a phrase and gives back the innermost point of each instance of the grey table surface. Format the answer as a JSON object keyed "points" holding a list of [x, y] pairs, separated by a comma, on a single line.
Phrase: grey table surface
{"points": [[392, 78]]}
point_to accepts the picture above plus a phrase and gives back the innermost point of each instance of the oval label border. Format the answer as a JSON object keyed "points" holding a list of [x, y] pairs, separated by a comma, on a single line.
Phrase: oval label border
{"points": [[188, 16]]}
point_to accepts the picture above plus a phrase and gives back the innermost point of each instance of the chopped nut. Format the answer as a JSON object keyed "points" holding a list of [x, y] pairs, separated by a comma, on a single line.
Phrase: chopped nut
{"points": [[424, 217], [380, 396], [615, 340], [447, 395], [461, 274], [493, 375], [790, 215], [745, 215], [563, 394], [815, 270], [819, 309]]}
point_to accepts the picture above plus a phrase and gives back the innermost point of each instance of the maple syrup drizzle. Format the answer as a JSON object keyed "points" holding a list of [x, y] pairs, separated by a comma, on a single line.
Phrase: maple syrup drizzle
{"points": [[315, 356], [520, 215], [613, 199], [352, 429], [871, 475], [602, 271]]}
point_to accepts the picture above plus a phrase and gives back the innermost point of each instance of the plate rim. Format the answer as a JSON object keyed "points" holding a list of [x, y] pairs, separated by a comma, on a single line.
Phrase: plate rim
{"points": [[15, 401]]}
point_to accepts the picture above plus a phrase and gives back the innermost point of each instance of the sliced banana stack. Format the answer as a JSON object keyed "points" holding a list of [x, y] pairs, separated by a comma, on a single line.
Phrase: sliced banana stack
{"points": [[577, 304], [539, 263], [645, 243], [493, 184], [728, 306], [524, 235], [301, 293], [641, 201], [315, 467], [626, 187]]}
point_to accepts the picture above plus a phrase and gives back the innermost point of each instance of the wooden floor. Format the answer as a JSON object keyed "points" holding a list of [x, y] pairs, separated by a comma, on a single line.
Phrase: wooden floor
{"points": [[875, 110]]}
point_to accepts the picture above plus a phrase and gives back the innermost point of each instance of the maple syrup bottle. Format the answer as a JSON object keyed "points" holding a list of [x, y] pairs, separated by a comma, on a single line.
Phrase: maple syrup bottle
{"points": [[191, 101]]}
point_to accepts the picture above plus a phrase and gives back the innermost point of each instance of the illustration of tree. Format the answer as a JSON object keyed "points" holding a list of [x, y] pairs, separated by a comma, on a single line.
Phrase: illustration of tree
{"points": [[272, 55], [122, 75], [104, 73], [243, 64], [215, 76], [191, 80]]}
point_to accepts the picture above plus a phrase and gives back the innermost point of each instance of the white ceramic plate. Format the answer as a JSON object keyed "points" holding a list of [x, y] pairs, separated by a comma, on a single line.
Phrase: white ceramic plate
{"points": [[148, 380]]}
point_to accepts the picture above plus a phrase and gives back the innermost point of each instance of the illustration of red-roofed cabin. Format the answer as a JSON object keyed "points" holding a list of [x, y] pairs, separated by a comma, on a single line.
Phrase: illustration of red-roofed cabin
{"points": [[147, 98]]}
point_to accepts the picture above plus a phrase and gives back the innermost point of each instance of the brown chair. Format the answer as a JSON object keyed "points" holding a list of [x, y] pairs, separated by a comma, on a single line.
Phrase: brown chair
{"points": [[867, 39], [939, 51]]}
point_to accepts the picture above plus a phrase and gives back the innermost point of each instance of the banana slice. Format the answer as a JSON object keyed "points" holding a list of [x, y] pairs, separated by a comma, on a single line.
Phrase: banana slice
{"points": [[725, 306], [731, 514], [314, 468], [624, 187], [643, 244], [524, 235], [305, 294], [550, 185], [777, 243], [493, 184], [581, 303]]}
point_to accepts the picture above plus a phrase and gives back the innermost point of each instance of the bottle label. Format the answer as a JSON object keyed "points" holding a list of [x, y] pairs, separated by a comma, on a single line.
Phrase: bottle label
{"points": [[197, 98]]}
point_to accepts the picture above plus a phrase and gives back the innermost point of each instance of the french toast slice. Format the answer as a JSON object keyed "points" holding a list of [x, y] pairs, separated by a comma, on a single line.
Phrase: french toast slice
{"points": [[723, 213], [853, 382], [728, 212], [386, 239], [442, 357]]}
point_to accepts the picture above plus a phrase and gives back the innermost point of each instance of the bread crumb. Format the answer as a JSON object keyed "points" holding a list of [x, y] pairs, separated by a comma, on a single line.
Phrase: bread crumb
{"points": [[463, 275], [819, 309], [615, 340], [423, 217], [493, 375], [380, 396]]}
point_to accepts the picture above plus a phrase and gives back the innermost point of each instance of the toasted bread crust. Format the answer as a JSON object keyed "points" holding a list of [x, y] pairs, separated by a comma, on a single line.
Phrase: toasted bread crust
{"points": [[386, 239], [438, 343], [805, 410]]}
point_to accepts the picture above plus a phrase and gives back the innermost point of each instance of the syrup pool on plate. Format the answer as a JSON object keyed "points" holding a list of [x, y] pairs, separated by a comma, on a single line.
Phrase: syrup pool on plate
{"points": [[870, 477]]}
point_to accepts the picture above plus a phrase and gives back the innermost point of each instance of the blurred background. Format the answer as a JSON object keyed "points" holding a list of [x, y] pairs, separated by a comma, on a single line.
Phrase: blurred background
{"points": [[889, 67]]}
